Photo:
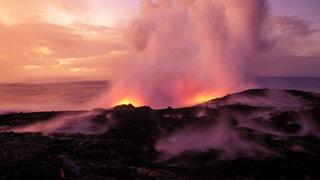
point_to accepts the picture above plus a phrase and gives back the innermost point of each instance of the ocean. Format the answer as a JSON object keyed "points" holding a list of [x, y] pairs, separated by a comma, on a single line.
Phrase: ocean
{"points": [[57, 96], [82, 95], [310, 84]]}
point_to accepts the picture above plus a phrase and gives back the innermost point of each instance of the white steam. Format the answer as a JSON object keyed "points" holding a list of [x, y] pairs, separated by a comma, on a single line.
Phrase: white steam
{"points": [[221, 136], [242, 118], [70, 122], [183, 49]]}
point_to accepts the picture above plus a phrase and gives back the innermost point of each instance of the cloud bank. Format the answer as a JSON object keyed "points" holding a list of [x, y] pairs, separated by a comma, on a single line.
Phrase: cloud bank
{"points": [[55, 38]]}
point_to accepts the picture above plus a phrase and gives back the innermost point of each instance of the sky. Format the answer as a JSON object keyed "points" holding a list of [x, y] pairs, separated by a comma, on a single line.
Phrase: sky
{"points": [[84, 39]]}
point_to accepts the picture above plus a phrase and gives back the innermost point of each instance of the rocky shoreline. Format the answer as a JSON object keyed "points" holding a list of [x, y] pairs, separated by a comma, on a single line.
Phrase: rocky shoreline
{"points": [[137, 143]]}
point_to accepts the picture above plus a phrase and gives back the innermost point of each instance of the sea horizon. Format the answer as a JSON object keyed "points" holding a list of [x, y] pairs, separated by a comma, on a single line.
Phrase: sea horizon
{"points": [[69, 95]]}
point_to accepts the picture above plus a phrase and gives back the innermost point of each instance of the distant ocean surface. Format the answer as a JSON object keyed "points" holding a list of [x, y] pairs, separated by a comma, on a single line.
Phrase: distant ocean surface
{"points": [[81, 95], [33, 96], [310, 84]]}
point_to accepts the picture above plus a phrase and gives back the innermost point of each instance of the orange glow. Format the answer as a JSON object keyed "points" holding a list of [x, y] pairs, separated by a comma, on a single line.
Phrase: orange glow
{"points": [[186, 101], [60, 38], [126, 101], [201, 98]]}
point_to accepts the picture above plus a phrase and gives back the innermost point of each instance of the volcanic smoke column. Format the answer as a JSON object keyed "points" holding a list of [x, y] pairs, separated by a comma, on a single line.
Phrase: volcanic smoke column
{"points": [[186, 51]]}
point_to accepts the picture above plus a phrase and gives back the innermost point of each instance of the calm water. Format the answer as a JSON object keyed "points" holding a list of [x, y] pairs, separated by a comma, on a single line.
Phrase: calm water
{"points": [[81, 95], [33, 96], [299, 83]]}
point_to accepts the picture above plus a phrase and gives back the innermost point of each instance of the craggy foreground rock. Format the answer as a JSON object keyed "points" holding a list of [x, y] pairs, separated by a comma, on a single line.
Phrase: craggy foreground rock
{"points": [[256, 134]]}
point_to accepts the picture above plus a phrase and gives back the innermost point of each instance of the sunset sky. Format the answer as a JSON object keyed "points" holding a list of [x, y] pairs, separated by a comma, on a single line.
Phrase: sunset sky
{"points": [[83, 39]]}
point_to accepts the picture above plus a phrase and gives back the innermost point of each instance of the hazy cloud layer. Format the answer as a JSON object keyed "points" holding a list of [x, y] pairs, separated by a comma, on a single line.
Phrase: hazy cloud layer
{"points": [[55, 38], [82, 37], [294, 50]]}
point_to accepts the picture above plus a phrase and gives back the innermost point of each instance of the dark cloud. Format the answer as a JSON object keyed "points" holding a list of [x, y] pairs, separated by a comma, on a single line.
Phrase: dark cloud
{"points": [[293, 26]]}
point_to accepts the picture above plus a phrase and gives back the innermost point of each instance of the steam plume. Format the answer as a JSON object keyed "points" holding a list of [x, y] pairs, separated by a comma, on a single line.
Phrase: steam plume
{"points": [[184, 51], [81, 122]]}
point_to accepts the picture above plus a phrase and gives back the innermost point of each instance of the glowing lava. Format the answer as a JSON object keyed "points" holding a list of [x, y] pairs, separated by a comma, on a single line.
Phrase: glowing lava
{"points": [[183, 50], [202, 98], [188, 100], [126, 101]]}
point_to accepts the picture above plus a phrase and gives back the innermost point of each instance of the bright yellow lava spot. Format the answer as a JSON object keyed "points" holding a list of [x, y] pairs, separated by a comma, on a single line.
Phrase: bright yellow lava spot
{"points": [[128, 101], [202, 98]]}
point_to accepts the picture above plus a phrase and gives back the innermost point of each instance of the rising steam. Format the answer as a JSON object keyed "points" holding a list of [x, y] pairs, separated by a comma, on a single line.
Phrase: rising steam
{"points": [[245, 124], [187, 51], [91, 122]]}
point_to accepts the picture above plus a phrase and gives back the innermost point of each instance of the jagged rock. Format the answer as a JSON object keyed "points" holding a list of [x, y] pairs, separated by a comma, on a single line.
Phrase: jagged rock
{"points": [[255, 134], [72, 167], [161, 174]]}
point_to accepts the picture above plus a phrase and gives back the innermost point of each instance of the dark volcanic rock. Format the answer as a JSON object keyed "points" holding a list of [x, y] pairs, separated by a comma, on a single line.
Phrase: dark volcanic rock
{"points": [[256, 134]]}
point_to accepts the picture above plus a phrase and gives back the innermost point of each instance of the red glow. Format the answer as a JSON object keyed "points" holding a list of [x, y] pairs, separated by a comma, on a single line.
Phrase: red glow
{"points": [[190, 98], [62, 173]]}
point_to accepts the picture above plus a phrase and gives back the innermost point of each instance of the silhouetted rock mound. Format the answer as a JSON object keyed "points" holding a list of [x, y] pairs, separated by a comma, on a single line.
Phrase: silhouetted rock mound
{"points": [[255, 134]]}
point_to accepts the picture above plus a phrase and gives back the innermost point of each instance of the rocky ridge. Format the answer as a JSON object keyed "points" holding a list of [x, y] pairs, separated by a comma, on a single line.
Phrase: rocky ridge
{"points": [[255, 134]]}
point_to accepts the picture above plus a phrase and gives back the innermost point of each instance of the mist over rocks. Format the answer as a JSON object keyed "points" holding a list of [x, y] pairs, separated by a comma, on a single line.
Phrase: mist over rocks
{"points": [[258, 133]]}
